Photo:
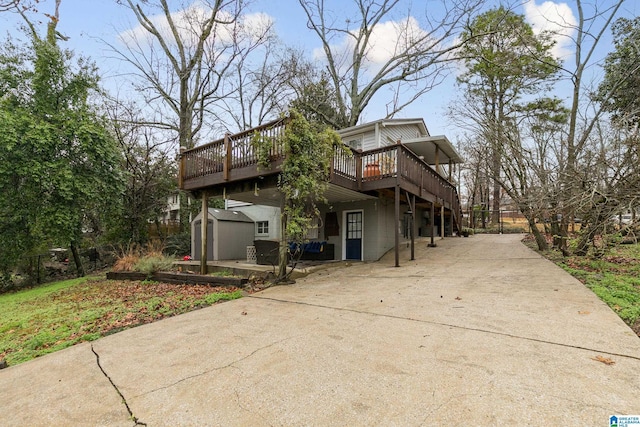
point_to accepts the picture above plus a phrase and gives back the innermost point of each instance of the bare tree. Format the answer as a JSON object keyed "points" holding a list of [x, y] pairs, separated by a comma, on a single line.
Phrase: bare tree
{"points": [[369, 51], [17, 5], [180, 58], [258, 85], [593, 20], [150, 169], [506, 66], [475, 179]]}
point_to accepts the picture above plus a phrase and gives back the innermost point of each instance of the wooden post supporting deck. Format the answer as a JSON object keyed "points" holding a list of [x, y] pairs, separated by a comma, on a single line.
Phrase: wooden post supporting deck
{"points": [[451, 217], [203, 233], [411, 199], [181, 171], [359, 171], [397, 224], [442, 220], [432, 217], [226, 165]]}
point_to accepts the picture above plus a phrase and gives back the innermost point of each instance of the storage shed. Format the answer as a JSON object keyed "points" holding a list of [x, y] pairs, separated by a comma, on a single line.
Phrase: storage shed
{"points": [[230, 232]]}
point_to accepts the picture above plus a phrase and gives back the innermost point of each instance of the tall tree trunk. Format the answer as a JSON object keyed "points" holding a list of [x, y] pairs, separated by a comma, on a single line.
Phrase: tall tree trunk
{"points": [[541, 241], [495, 208], [77, 260]]}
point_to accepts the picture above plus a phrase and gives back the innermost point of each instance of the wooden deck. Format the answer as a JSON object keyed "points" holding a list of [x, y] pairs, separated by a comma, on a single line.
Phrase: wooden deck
{"points": [[233, 159]]}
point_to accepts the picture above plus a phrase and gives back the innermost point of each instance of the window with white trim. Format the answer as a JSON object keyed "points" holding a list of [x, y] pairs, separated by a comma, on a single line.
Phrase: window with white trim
{"points": [[355, 143], [262, 228], [313, 230]]}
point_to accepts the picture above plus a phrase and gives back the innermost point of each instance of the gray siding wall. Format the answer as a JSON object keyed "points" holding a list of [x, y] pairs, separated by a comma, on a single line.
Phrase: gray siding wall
{"points": [[379, 227], [386, 227], [263, 213], [227, 239]]}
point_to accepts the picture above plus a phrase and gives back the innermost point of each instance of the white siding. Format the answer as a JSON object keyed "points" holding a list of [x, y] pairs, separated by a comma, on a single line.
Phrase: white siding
{"points": [[391, 134], [369, 141]]}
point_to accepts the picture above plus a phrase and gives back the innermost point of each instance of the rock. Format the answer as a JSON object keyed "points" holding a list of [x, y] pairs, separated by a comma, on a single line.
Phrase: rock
{"points": [[3, 364]]}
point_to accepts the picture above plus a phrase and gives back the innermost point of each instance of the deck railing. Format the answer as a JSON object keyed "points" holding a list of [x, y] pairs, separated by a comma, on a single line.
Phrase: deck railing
{"points": [[357, 168], [231, 152], [387, 162]]}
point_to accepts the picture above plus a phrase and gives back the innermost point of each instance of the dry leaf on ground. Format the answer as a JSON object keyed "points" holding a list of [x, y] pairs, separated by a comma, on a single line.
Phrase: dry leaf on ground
{"points": [[605, 360]]}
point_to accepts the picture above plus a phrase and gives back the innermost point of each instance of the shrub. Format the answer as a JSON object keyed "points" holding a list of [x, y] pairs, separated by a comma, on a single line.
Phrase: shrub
{"points": [[153, 263], [127, 258], [178, 244], [513, 230], [149, 261], [154, 248]]}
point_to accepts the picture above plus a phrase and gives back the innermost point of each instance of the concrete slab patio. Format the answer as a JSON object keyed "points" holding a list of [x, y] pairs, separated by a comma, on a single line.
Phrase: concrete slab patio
{"points": [[478, 331]]}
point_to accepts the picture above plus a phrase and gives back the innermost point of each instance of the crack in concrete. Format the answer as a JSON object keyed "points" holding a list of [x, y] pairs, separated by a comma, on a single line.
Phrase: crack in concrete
{"points": [[450, 325], [219, 368], [115, 387]]}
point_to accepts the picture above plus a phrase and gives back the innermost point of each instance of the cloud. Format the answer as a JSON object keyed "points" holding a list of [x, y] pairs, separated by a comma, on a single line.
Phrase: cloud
{"points": [[387, 40], [556, 18], [188, 22], [257, 24]]}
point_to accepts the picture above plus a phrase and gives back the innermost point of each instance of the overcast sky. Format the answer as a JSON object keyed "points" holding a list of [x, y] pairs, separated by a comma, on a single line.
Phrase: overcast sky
{"points": [[87, 22]]}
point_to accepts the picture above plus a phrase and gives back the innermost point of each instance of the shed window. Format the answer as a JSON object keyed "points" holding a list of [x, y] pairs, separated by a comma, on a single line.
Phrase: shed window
{"points": [[262, 228]]}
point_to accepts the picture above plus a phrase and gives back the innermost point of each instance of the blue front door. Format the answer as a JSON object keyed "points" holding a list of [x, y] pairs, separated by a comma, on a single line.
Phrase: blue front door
{"points": [[353, 241]]}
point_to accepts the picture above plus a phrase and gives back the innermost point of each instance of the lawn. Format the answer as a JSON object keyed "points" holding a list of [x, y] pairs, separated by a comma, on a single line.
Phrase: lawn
{"points": [[615, 278], [58, 315]]}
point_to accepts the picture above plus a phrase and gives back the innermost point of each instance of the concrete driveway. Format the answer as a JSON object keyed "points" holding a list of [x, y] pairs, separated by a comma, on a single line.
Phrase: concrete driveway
{"points": [[478, 331]]}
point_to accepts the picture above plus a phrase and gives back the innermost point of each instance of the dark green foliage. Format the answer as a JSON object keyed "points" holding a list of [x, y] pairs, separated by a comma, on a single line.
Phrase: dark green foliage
{"points": [[305, 172], [506, 58], [178, 244], [58, 162], [620, 90], [316, 102], [309, 149]]}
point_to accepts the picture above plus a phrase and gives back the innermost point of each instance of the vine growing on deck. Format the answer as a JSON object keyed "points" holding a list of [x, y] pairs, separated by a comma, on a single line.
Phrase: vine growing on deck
{"points": [[304, 179], [261, 145]]}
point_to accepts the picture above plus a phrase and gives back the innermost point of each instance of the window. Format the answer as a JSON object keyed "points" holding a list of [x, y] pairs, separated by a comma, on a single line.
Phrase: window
{"points": [[356, 144], [262, 228], [313, 230]]}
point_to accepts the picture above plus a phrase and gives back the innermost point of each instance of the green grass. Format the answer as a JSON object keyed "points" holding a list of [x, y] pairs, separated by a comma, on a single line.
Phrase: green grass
{"points": [[222, 273], [614, 278], [58, 315]]}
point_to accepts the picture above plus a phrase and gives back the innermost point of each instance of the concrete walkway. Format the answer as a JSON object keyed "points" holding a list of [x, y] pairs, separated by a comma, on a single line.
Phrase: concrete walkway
{"points": [[479, 331]]}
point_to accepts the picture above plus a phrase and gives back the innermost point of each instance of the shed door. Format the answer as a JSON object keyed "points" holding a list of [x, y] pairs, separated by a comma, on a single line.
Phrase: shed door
{"points": [[353, 240]]}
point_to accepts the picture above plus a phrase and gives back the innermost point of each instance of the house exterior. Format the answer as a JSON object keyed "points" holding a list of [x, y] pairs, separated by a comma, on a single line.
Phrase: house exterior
{"points": [[266, 219], [171, 212], [395, 184]]}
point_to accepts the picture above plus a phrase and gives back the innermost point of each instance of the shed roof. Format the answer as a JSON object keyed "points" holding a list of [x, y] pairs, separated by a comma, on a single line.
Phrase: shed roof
{"points": [[226, 215]]}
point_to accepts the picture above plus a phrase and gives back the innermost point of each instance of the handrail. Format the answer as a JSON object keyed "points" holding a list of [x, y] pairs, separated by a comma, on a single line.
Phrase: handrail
{"points": [[230, 152], [237, 151]]}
